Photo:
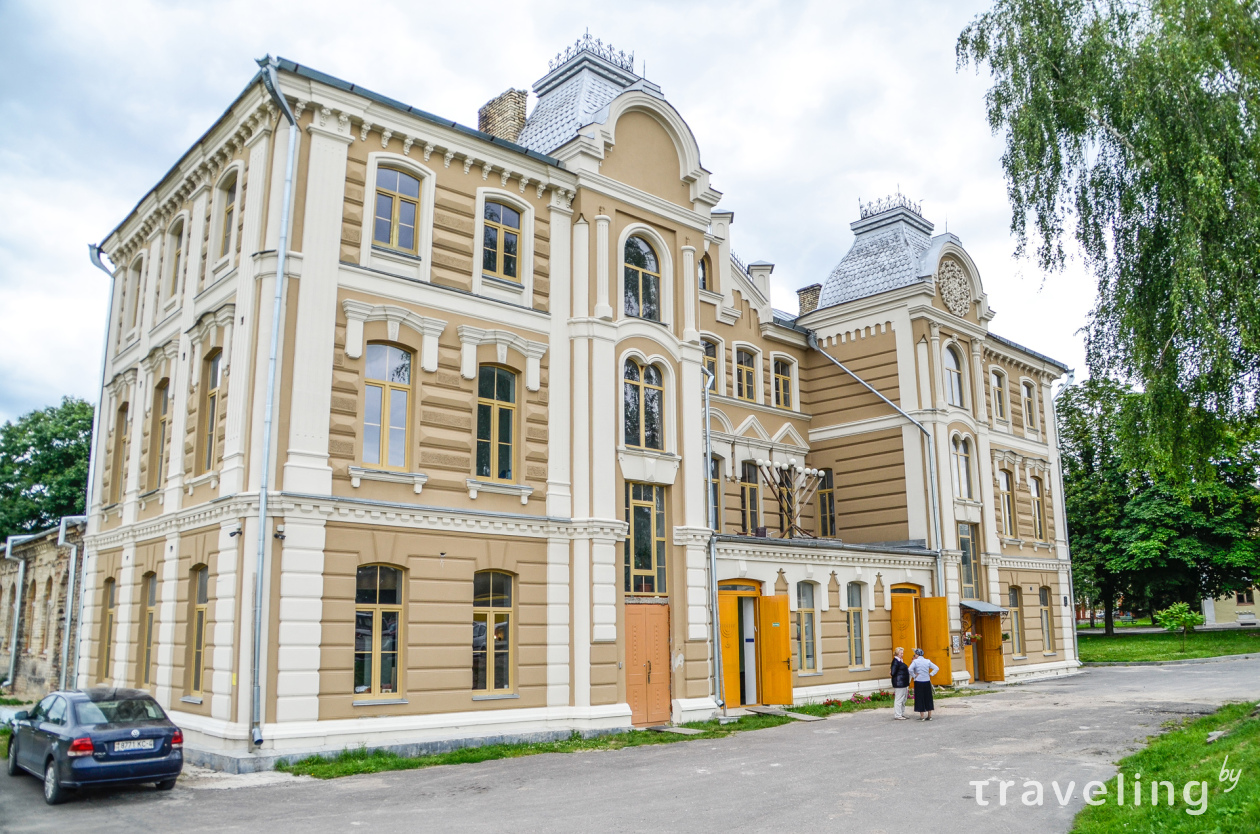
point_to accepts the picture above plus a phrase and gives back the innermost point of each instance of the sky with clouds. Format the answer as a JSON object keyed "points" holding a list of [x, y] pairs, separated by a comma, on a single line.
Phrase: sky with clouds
{"points": [[799, 108]]}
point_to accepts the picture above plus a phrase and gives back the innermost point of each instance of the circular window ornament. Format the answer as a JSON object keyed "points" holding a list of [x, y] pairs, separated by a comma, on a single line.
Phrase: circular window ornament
{"points": [[954, 287]]}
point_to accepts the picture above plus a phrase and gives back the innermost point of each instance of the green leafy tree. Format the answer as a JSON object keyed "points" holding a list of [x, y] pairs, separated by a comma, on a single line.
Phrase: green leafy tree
{"points": [[1179, 617], [1130, 127], [43, 466]]}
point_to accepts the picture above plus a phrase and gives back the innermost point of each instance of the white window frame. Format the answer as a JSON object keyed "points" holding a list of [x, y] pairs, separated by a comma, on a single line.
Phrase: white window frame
{"points": [[666, 263], [418, 266], [222, 264], [498, 288]]}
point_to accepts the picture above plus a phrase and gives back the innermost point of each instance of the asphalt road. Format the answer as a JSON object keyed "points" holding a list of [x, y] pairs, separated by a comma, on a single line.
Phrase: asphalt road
{"points": [[857, 772]]}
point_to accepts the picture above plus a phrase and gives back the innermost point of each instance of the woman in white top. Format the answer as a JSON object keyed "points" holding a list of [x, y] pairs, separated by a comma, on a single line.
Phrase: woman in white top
{"points": [[921, 672]]}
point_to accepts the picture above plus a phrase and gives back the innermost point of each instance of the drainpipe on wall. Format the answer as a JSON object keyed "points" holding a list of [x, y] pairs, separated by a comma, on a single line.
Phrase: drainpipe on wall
{"points": [[719, 693], [812, 338], [17, 603], [272, 83], [74, 564]]}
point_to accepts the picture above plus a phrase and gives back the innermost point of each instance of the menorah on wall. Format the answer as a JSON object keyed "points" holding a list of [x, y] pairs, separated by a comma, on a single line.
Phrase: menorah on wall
{"points": [[794, 486]]}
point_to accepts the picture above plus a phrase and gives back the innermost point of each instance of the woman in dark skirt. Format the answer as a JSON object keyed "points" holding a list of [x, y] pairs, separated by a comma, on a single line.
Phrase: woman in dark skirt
{"points": [[921, 672]]}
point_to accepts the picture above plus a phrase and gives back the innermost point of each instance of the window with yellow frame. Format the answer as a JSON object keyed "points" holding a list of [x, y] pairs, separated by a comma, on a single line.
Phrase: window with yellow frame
{"points": [[1047, 620], [227, 217], [397, 210], [492, 658], [500, 244], [1015, 604], [377, 634], [1007, 496], [199, 590], [122, 428], [496, 419], [645, 540], [386, 406], [749, 498], [857, 633], [108, 600], [806, 642], [176, 244], [148, 604], [210, 411], [826, 504], [745, 375], [643, 396], [1038, 509], [157, 451], [710, 362], [782, 383]]}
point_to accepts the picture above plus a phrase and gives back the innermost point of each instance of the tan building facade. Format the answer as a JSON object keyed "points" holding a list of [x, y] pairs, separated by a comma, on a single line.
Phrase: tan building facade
{"points": [[489, 503]]}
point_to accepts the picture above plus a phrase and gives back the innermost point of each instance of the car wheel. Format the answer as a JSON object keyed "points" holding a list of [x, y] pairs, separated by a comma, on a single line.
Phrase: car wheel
{"points": [[53, 792], [13, 768], [166, 784]]}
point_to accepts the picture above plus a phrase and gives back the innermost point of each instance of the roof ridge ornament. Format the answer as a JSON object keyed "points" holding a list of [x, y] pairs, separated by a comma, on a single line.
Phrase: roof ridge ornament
{"points": [[597, 48], [892, 201]]}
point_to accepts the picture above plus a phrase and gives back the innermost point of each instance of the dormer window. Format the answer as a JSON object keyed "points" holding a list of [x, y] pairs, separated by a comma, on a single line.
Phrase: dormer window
{"points": [[643, 280], [397, 209]]}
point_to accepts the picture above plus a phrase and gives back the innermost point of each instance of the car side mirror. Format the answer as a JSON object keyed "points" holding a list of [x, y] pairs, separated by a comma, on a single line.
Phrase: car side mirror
{"points": [[21, 715]]}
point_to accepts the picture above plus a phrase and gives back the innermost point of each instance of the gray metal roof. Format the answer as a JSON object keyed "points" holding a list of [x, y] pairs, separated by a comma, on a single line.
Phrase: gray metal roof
{"points": [[886, 255], [1003, 340]]}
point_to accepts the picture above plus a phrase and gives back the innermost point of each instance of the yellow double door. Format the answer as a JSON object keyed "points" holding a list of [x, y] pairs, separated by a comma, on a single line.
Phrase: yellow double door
{"points": [[756, 648], [922, 623]]}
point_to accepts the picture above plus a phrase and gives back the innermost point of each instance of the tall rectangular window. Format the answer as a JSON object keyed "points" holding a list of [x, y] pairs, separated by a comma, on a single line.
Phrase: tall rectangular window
{"points": [[397, 209], [157, 448], [782, 383], [148, 603], [806, 644], [377, 614], [1017, 622], [749, 498], [645, 540], [715, 494], [787, 509], [501, 233], [1038, 509], [746, 375], [967, 544], [997, 384], [209, 441], [857, 647], [496, 415], [386, 406], [1047, 620], [228, 217], [176, 244], [710, 362], [117, 474], [1030, 406], [826, 504], [1007, 495], [108, 601], [199, 587], [492, 632]]}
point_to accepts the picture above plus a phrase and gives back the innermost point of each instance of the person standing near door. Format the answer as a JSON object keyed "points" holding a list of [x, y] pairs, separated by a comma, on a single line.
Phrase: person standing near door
{"points": [[922, 670], [900, 674]]}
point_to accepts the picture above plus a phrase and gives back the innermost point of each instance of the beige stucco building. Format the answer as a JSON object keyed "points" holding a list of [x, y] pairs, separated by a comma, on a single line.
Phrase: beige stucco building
{"points": [[489, 484]]}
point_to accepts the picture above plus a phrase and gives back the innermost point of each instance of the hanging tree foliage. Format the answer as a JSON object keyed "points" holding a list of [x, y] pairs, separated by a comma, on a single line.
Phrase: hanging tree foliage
{"points": [[1131, 127]]}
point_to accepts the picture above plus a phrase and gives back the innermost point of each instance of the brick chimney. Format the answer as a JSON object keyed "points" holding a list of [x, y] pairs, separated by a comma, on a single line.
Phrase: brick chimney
{"points": [[809, 298], [504, 116]]}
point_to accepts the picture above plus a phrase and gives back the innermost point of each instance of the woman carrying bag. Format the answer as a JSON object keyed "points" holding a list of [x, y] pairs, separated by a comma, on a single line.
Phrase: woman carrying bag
{"points": [[922, 670]]}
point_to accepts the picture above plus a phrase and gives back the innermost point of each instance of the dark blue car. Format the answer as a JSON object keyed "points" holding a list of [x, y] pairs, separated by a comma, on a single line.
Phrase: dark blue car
{"points": [[96, 737]]}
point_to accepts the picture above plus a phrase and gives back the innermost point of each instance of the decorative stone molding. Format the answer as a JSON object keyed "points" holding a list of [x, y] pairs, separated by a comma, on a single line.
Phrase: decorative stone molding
{"points": [[358, 312], [475, 486], [648, 467], [692, 536], [954, 287], [417, 479], [471, 338]]}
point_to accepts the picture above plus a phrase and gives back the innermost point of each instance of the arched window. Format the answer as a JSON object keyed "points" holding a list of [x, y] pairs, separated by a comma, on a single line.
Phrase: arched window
{"points": [[953, 378], [857, 645], [397, 210], [1030, 406], [227, 215], [492, 664], [643, 280], [1017, 621], [131, 293], [500, 244], [157, 441], [175, 255], [644, 395], [826, 504], [1007, 495], [804, 636], [148, 607], [702, 272], [645, 540], [710, 361], [377, 614], [496, 416], [1038, 509], [746, 374], [199, 596], [782, 383], [967, 564], [1047, 621], [108, 600], [961, 464], [116, 474], [997, 385], [386, 406], [749, 498]]}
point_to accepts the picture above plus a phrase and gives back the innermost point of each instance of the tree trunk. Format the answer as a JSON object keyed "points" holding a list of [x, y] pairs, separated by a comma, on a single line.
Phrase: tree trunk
{"points": [[1093, 615], [1109, 616]]}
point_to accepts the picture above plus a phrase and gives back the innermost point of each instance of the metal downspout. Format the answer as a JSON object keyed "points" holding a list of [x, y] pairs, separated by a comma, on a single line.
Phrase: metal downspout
{"points": [[74, 564], [719, 693], [17, 603], [271, 82], [812, 338]]}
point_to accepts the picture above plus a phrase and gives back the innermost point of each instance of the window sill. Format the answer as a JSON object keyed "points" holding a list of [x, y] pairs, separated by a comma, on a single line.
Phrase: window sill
{"points": [[396, 253], [505, 283], [1050, 654], [809, 674], [711, 296], [380, 702], [417, 479], [475, 486], [190, 699], [504, 697], [211, 477]]}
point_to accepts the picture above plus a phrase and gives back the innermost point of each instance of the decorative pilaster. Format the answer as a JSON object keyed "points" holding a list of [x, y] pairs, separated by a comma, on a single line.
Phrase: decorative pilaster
{"points": [[602, 308], [689, 290], [300, 614]]}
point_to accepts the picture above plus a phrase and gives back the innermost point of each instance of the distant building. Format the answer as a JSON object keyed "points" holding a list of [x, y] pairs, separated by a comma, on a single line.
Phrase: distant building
{"points": [[1238, 608], [490, 511]]}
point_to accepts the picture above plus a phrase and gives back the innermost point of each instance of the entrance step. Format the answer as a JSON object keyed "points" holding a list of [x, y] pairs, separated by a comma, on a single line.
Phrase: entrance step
{"points": [[682, 731], [798, 716]]}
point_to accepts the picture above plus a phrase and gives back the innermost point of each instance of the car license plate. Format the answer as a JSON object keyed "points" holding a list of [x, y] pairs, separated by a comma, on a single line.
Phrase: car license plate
{"points": [[140, 744]]}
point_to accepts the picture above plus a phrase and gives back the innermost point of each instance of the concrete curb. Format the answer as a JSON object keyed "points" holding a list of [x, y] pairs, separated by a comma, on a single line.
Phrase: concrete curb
{"points": [[1188, 662]]}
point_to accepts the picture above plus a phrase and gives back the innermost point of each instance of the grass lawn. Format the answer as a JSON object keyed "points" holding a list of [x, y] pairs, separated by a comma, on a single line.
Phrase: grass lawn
{"points": [[351, 762], [1130, 647], [12, 702], [1181, 756], [1143, 622]]}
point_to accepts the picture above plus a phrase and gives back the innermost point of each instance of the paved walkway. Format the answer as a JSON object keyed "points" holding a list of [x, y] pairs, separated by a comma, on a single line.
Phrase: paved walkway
{"points": [[856, 772]]}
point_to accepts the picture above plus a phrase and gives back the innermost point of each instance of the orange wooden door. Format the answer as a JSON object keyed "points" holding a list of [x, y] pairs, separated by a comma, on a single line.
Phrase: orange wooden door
{"points": [[728, 622], [776, 649], [934, 632], [636, 663], [991, 648], [903, 630], [658, 668]]}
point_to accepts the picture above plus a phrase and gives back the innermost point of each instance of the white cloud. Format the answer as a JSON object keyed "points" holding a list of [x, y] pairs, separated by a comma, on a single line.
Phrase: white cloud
{"points": [[799, 109]]}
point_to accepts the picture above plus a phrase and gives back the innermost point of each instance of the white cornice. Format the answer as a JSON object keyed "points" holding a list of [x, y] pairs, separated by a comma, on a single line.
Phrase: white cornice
{"points": [[673, 212]]}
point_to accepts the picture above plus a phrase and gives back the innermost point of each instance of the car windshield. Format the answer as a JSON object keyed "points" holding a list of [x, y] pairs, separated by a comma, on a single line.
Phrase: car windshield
{"points": [[122, 711]]}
